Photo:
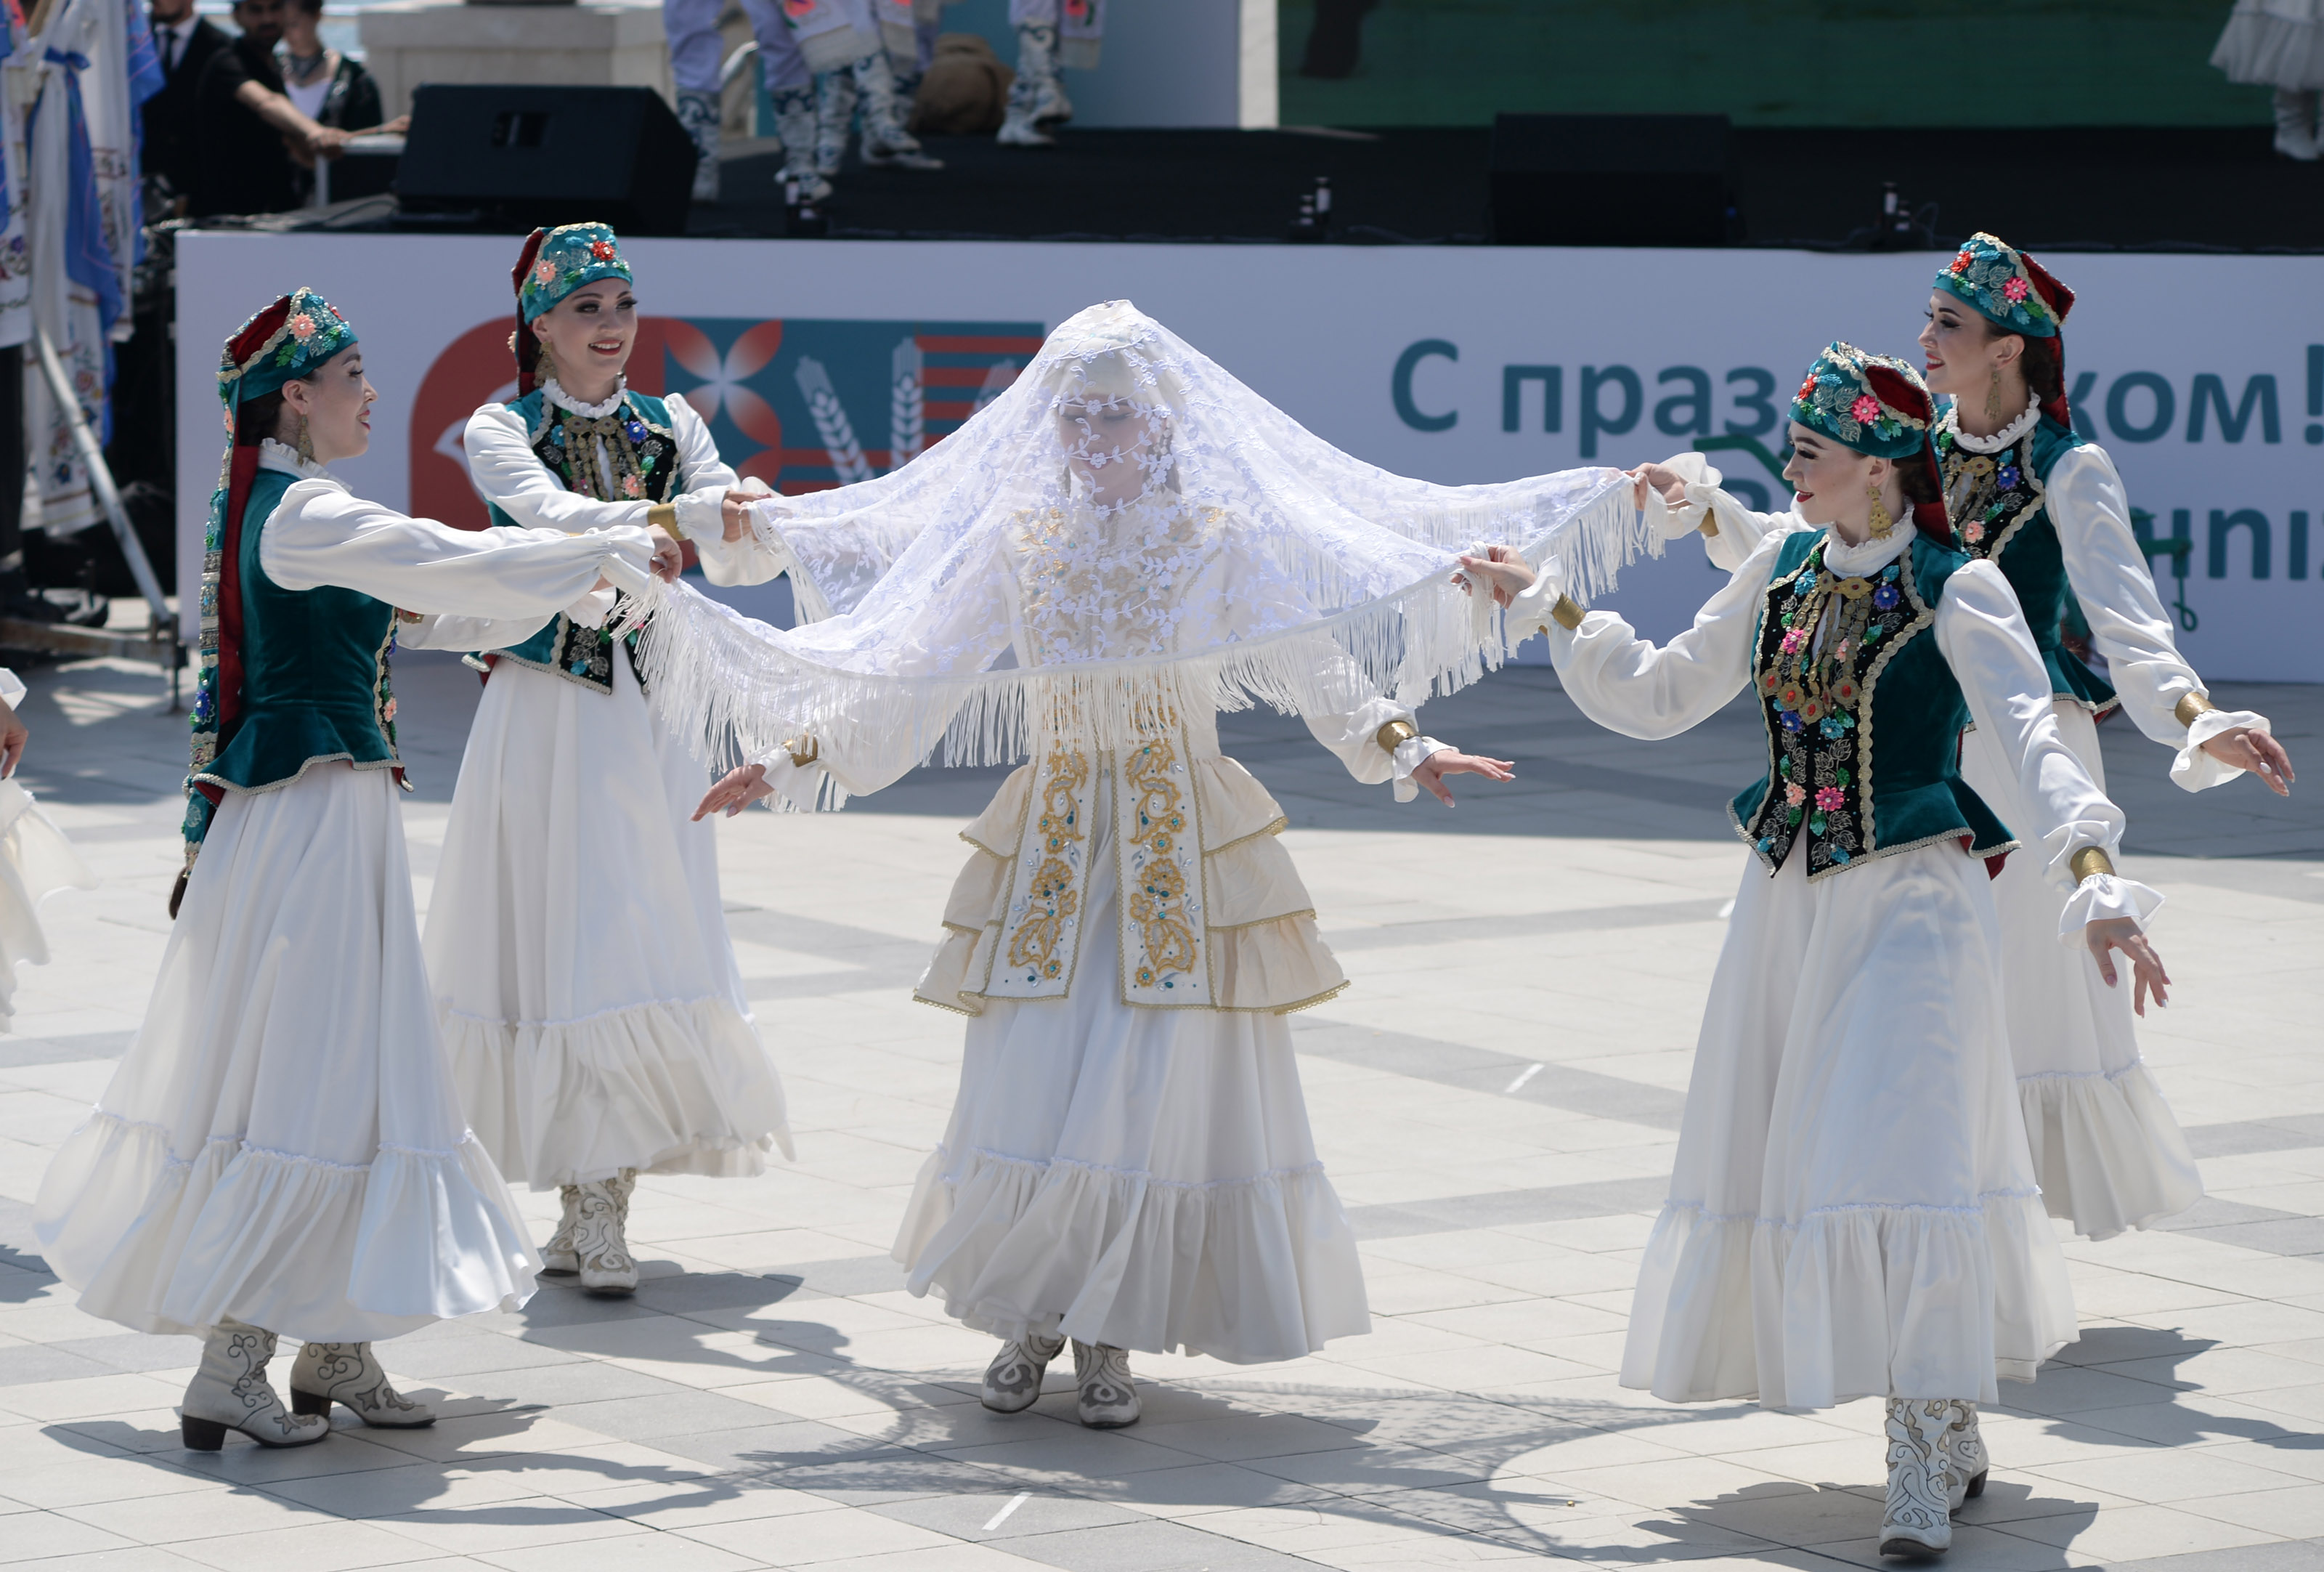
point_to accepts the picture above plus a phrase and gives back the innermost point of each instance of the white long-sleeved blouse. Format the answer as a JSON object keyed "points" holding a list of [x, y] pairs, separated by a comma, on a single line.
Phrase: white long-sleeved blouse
{"points": [[1629, 685]]}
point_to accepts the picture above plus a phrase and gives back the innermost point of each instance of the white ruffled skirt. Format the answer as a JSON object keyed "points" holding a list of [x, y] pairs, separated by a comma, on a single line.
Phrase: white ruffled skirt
{"points": [[1142, 1178], [2275, 43], [36, 860], [578, 948], [2106, 1149], [282, 1143], [1853, 1210]]}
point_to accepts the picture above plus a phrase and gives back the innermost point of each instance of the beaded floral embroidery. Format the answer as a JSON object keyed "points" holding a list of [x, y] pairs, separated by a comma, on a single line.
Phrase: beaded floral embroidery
{"points": [[1158, 906], [1986, 494]]}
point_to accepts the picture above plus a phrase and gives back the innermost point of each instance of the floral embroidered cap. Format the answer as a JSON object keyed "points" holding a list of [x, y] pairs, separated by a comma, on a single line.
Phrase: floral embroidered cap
{"points": [[558, 261], [1877, 405], [2013, 292], [288, 340]]}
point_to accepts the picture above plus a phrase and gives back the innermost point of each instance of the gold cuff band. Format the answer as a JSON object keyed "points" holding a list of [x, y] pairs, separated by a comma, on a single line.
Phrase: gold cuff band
{"points": [[2189, 705], [1566, 614], [1709, 525], [663, 515], [2090, 860], [802, 761], [1394, 734]]}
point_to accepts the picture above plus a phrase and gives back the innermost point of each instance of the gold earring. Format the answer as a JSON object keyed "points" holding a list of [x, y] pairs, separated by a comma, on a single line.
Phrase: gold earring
{"points": [[305, 447], [1993, 408], [1883, 526], [544, 369]]}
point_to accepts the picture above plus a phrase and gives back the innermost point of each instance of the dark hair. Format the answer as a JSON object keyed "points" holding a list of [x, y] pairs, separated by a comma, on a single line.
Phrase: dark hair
{"points": [[1919, 486], [257, 418], [312, 7], [2042, 364]]}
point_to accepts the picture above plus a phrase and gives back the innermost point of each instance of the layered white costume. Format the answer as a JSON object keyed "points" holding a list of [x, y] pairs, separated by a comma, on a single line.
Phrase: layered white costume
{"points": [[282, 1144], [578, 948], [36, 860], [2106, 1149], [1853, 1209]]}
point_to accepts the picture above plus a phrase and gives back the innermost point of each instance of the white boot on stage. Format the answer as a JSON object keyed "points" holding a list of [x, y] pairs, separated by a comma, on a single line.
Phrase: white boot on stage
{"points": [[2295, 124], [229, 1391], [1035, 97], [350, 1373], [795, 123], [1108, 1397], [886, 144], [558, 1257], [698, 112], [1966, 1463], [601, 1235], [1013, 1382], [835, 112], [1918, 1524]]}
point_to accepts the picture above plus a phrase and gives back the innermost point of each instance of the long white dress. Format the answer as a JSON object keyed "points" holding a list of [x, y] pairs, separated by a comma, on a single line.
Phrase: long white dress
{"points": [[36, 860], [2106, 1149], [282, 1143], [576, 938], [1853, 1209], [2275, 43]]}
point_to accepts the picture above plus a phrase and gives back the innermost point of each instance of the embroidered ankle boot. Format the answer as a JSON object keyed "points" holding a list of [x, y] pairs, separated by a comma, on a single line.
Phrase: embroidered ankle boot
{"points": [[2295, 124], [230, 1393], [886, 144], [835, 113], [1013, 1382], [1918, 1524], [1034, 96], [1966, 1463], [350, 1373], [795, 122], [601, 1236], [558, 1258], [1108, 1397], [698, 112]]}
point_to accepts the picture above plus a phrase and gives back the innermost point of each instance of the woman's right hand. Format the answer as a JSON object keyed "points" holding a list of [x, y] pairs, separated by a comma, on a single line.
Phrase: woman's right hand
{"points": [[1658, 477], [734, 513], [1500, 570], [2123, 933], [736, 792]]}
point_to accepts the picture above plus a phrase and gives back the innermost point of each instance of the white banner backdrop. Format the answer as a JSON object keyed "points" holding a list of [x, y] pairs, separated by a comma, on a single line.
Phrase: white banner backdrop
{"points": [[2203, 375]]}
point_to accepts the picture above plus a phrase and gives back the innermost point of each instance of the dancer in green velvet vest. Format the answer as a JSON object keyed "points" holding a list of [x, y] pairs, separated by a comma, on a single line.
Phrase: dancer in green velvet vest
{"points": [[2045, 505], [577, 940], [1852, 1210], [281, 1150]]}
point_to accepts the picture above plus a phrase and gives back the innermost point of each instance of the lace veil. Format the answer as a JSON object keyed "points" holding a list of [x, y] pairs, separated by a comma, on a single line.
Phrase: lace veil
{"points": [[1127, 534]]}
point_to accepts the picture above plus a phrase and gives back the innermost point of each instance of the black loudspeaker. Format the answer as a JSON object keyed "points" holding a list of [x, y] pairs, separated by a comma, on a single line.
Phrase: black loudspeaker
{"points": [[1612, 180], [549, 156]]}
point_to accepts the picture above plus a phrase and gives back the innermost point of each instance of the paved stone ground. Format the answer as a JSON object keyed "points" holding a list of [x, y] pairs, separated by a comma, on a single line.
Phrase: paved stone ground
{"points": [[1497, 1099]]}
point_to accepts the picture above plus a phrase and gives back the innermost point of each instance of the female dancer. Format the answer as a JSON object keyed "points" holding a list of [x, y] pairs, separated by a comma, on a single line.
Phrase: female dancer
{"points": [[597, 1019], [1853, 1210], [281, 1151], [1123, 543]]}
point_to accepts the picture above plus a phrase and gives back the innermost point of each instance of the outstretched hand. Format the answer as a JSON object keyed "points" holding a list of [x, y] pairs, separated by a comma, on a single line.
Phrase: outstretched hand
{"points": [[2123, 933], [2255, 751], [1452, 762], [1501, 571], [1658, 477], [735, 791]]}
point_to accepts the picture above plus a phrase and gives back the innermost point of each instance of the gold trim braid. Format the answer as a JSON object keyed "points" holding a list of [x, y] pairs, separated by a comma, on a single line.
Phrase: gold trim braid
{"points": [[663, 515], [2090, 860], [2189, 705], [1566, 614], [1395, 735]]}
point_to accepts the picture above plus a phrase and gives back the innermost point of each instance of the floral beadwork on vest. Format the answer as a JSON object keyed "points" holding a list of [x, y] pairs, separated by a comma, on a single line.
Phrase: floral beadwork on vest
{"points": [[1989, 497], [1817, 695]]}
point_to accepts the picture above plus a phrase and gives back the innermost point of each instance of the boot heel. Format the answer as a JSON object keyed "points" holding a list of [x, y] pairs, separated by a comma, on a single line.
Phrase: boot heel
{"points": [[1977, 1486], [309, 1403], [200, 1435]]}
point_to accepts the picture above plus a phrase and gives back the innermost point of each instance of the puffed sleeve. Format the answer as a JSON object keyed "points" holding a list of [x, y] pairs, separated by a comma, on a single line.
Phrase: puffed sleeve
{"points": [[320, 533], [706, 479], [1982, 634], [1625, 684], [1353, 736], [2128, 625]]}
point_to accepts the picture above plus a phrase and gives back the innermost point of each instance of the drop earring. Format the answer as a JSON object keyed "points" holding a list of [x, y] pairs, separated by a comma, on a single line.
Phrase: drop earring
{"points": [[306, 446], [1993, 410], [1883, 525]]}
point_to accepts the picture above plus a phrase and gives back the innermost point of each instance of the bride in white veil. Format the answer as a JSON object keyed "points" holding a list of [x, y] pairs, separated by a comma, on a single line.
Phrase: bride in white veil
{"points": [[1126, 542]]}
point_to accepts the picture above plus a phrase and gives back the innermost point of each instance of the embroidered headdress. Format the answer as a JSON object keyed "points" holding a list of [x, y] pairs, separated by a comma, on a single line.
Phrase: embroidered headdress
{"points": [[2016, 294], [289, 339], [1877, 405], [552, 265], [1126, 536]]}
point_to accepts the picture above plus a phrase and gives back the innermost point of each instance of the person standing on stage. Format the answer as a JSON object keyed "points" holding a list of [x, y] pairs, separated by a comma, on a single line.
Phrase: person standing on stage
{"points": [[2280, 44], [1051, 35], [588, 990], [1853, 1209], [281, 1150]]}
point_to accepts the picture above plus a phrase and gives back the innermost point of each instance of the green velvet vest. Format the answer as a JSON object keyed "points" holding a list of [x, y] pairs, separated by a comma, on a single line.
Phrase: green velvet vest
{"points": [[1826, 782], [314, 670], [579, 654], [1999, 512]]}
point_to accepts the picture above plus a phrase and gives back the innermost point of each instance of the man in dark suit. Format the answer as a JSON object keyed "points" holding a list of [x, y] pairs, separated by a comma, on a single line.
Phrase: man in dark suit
{"points": [[185, 43]]}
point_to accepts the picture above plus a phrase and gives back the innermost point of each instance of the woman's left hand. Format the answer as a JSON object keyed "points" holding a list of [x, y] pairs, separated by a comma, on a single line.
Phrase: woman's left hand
{"points": [[734, 513], [1451, 762], [1499, 569], [668, 556], [2258, 752], [735, 792], [2123, 933]]}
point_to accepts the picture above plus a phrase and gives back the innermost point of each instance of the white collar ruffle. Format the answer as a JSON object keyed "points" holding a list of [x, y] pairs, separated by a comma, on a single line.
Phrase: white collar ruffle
{"points": [[1869, 558], [273, 455], [2007, 436], [554, 391]]}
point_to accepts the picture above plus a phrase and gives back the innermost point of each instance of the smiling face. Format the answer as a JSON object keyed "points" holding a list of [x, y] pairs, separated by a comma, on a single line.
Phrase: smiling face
{"points": [[590, 333], [1960, 351], [1829, 482], [334, 401]]}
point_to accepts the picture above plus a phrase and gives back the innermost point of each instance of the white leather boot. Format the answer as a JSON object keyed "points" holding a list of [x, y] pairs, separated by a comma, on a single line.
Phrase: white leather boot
{"points": [[1966, 1462], [1034, 96], [698, 112], [1013, 1382], [350, 1373], [795, 122], [1108, 1397], [1918, 1525], [2295, 124], [230, 1393], [558, 1258], [886, 144], [601, 1236]]}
